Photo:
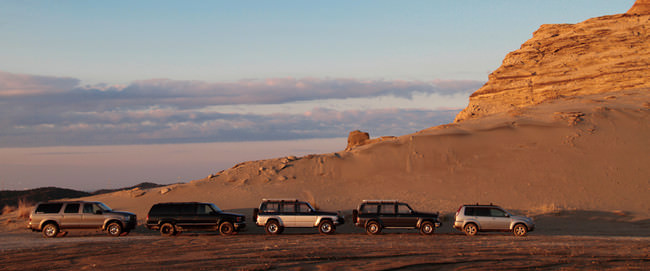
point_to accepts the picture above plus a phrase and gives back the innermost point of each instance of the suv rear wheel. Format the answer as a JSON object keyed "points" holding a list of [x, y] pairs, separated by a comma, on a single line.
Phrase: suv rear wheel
{"points": [[114, 229], [273, 227], [470, 229], [50, 230], [326, 227], [226, 228], [373, 228], [520, 230], [167, 229], [427, 228]]}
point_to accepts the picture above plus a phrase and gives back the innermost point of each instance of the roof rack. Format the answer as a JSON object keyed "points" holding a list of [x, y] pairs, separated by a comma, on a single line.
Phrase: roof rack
{"points": [[281, 200], [380, 200]]}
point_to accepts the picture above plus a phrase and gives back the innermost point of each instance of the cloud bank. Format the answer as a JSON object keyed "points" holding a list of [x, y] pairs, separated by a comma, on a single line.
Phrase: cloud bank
{"points": [[56, 111]]}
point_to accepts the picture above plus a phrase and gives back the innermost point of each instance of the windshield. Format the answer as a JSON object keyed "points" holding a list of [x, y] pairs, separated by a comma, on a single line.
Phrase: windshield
{"points": [[215, 208], [103, 207]]}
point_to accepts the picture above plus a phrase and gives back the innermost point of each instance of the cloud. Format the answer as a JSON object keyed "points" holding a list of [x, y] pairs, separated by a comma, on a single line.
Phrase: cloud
{"points": [[52, 111]]}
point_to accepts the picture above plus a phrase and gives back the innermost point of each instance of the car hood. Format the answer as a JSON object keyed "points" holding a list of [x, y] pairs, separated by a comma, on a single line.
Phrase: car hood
{"points": [[520, 217], [425, 214], [231, 214], [324, 213], [120, 213]]}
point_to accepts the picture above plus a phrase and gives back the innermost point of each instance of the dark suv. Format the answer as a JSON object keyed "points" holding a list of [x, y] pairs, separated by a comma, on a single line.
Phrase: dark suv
{"points": [[375, 215], [174, 217]]}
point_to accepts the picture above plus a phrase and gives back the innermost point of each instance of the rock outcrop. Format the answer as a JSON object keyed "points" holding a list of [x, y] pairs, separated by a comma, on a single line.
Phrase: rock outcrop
{"points": [[603, 54], [640, 7], [357, 138]]}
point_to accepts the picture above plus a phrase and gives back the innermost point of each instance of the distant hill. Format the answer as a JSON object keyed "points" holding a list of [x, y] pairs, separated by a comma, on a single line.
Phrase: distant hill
{"points": [[11, 197], [145, 185]]}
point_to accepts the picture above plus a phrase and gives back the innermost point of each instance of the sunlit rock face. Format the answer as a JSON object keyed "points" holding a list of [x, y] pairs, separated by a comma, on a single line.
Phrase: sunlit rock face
{"points": [[640, 7], [602, 54]]}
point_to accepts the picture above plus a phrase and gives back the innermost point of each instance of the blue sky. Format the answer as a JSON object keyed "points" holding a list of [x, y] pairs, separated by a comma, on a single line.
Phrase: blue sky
{"points": [[122, 41], [162, 75]]}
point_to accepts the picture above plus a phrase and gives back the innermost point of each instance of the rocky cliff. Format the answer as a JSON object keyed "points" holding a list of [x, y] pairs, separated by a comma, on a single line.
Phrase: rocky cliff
{"points": [[603, 54]]}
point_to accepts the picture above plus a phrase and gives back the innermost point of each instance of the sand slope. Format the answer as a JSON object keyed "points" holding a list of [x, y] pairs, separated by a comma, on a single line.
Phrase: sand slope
{"points": [[583, 153]]}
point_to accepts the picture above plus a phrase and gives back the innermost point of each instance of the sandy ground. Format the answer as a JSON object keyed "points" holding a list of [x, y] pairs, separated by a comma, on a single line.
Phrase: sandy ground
{"points": [[569, 240]]}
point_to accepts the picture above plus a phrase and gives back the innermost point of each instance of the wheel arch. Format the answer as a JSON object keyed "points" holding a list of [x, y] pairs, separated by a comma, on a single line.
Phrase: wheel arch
{"points": [[109, 221]]}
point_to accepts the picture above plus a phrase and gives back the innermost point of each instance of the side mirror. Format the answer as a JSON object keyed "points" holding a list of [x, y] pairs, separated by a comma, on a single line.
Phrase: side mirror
{"points": [[98, 212]]}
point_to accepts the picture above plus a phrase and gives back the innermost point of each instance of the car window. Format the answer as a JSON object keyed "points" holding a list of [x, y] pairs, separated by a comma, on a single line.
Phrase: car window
{"points": [[91, 208], [289, 208], [271, 207], [72, 208], [304, 208], [49, 208], [187, 209], [469, 211], [497, 212], [403, 209], [482, 211], [387, 208], [204, 209], [369, 208]]}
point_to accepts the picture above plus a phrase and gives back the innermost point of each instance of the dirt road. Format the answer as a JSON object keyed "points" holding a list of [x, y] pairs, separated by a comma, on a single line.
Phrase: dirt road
{"points": [[298, 251]]}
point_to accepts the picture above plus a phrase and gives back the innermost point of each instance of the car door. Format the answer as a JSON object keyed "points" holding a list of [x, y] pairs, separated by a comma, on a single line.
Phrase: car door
{"points": [[500, 219], [305, 216], [187, 216], [206, 217], [72, 216], [387, 215], [92, 215], [288, 214], [483, 217], [406, 217]]}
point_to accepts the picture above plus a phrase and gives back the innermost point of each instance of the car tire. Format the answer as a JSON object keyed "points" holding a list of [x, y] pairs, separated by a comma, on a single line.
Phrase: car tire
{"points": [[226, 228], [520, 230], [427, 228], [114, 229], [50, 230], [470, 229], [167, 229], [373, 228], [273, 227], [326, 227]]}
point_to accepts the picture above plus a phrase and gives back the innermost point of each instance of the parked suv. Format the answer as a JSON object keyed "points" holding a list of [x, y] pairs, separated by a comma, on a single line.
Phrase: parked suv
{"points": [[53, 217], [474, 218], [174, 217], [375, 215], [276, 214]]}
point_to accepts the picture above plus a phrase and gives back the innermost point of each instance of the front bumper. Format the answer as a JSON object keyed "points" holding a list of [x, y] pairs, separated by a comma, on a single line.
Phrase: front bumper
{"points": [[239, 226]]}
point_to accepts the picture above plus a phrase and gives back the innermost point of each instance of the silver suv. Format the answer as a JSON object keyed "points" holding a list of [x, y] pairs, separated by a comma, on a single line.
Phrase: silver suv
{"points": [[276, 214], [53, 217], [474, 218]]}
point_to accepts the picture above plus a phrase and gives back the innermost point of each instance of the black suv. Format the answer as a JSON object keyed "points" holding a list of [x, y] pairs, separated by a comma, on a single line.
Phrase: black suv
{"points": [[173, 217], [375, 215]]}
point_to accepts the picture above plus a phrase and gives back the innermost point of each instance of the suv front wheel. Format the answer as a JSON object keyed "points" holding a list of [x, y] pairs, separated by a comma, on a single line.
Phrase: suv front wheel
{"points": [[114, 229], [326, 227], [427, 228], [226, 228], [520, 230]]}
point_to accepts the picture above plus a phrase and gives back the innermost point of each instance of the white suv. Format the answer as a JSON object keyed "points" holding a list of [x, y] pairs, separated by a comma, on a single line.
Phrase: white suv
{"points": [[276, 214], [474, 218]]}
